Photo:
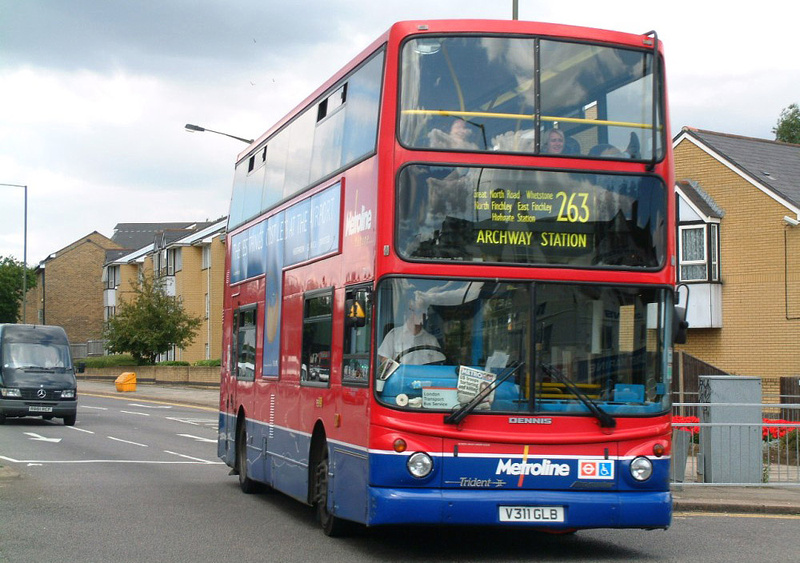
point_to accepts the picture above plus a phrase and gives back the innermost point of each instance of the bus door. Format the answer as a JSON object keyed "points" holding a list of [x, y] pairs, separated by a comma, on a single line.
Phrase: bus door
{"points": [[242, 363]]}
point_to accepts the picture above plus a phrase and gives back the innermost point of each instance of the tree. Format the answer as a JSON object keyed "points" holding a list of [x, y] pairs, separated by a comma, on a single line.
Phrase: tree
{"points": [[11, 289], [150, 324], [788, 127]]}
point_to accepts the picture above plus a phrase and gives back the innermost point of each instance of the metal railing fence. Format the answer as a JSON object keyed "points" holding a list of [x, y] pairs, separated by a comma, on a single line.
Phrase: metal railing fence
{"points": [[736, 453]]}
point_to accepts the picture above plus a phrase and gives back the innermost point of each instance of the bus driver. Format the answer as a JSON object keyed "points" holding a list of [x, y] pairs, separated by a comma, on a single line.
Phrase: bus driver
{"points": [[411, 343]]}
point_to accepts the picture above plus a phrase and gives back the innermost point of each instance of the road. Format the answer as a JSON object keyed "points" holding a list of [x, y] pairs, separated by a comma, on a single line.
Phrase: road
{"points": [[140, 481]]}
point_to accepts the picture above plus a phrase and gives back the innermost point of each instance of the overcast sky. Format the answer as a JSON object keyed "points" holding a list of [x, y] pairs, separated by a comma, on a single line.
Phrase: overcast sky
{"points": [[94, 94]]}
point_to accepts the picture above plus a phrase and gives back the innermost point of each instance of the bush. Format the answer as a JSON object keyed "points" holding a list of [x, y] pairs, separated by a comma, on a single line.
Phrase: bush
{"points": [[772, 431], [173, 363], [108, 361], [208, 363]]}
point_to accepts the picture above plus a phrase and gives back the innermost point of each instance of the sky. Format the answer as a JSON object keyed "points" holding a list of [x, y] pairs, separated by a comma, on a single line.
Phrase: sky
{"points": [[94, 94]]}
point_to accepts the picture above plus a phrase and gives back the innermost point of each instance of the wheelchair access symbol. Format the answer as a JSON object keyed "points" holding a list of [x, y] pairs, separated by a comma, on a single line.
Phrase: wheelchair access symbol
{"points": [[595, 469]]}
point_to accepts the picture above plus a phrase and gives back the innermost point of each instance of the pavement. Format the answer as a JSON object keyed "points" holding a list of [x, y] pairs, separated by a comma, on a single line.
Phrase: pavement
{"points": [[759, 499]]}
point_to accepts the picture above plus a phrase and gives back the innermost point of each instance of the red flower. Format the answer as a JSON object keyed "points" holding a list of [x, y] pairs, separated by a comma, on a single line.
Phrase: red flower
{"points": [[687, 420]]}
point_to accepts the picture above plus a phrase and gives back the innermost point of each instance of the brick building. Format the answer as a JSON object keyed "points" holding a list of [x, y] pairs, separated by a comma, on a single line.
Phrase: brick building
{"points": [[739, 250], [67, 292]]}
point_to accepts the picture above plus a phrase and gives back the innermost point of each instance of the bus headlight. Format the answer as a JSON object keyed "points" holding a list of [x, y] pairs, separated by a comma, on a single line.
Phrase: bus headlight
{"points": [[641, 468], [419, 465]]}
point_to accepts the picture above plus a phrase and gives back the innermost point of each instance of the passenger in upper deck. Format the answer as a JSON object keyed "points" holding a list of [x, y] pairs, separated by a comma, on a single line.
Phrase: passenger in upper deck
{"points": [[554, 142], [457, 138]]}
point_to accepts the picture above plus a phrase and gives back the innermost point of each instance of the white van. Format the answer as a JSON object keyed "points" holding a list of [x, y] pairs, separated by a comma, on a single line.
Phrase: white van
{"points": [[36, 373]]}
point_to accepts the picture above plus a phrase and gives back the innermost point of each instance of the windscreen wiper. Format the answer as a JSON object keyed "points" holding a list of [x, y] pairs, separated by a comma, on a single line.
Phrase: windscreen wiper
{"points": [[606, 420], [457, 416]]}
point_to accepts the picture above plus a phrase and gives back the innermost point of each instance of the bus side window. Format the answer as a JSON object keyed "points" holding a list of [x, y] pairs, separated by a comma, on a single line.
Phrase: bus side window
{"points": [[357, 328], [315, 368], [245, 343]]}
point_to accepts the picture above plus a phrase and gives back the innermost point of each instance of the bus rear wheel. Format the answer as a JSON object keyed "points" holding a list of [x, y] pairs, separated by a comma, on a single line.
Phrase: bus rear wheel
{"points": [[247, 485], [333, 526]]}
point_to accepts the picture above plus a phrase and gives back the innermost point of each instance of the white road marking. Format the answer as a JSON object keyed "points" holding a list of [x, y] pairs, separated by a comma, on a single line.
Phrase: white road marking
{"points": [[124, 461], [39, 438], [195, 421], [94, 408], [36, 462], [188, 457], [127, 442], [198, 438], [80, 429], [150, 406], [134, 412]]}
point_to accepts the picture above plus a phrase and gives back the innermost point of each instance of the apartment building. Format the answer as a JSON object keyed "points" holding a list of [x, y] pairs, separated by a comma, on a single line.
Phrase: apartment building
{"points": [[190, 260], [739, 250]]}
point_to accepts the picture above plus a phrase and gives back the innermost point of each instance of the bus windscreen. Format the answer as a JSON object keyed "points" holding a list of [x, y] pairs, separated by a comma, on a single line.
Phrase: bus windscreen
{"points": [[495, 94]]}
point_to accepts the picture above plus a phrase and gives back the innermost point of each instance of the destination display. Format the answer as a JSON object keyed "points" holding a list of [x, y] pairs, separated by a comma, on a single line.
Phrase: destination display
{"points": [[531, 217]]}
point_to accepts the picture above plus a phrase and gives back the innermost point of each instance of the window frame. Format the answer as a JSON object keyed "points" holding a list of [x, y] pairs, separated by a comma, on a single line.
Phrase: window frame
{"points": [[312, 321], [711, 257], [238, 315], [542, 124], [363, 357]]}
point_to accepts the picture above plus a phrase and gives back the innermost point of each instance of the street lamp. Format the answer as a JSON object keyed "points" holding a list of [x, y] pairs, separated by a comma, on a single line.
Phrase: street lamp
{"points": [[192, 128], [24, 250]]}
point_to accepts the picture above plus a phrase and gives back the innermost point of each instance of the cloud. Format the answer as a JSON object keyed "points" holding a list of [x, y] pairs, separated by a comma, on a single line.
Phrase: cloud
{"points": [[96, 93]]}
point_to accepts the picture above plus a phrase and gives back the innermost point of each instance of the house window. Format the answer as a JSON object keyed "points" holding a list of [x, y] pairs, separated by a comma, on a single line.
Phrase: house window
{"points": [[112, 277], [713, 237], [699, 253], [206, 257], [174, 261]]}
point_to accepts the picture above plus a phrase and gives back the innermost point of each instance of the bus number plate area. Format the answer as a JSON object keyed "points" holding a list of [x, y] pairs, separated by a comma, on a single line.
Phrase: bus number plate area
{"points": [[40, 409], [531, 513]]}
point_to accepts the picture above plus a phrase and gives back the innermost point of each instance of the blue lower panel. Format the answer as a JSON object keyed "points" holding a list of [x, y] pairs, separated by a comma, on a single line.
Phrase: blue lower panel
{"points": [[582, 509]]}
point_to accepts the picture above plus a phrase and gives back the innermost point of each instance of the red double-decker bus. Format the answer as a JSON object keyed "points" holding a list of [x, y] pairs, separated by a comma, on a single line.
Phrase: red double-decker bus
{"points": [[450, 291]]}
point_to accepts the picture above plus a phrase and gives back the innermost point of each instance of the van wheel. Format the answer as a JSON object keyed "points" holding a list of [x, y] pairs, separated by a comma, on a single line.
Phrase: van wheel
{"points": [[2, 419], [247, 485], [70, 420]]}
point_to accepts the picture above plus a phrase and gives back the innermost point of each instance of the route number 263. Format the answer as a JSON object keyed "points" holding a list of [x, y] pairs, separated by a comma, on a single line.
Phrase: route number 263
{"points": [[574, 208]]}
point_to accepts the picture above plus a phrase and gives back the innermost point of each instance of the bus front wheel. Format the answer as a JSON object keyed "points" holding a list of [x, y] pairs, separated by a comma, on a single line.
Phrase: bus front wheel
{"points": [[333, 526]]}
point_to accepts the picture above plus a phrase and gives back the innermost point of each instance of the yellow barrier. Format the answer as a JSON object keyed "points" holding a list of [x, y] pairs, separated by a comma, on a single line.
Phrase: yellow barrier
{"points": [[126, 382]]}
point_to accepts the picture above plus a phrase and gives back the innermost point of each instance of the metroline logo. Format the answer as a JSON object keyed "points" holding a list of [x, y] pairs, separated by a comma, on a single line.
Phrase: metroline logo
{"points": [[358, 222], [544, 467]]}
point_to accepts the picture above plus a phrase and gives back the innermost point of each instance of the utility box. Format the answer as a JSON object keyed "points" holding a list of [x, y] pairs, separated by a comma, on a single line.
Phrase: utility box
{"points": [[126, 382], [730, 429]]}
